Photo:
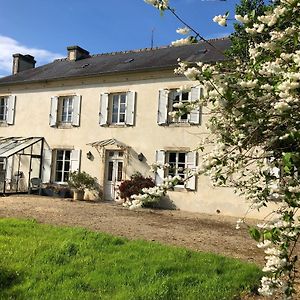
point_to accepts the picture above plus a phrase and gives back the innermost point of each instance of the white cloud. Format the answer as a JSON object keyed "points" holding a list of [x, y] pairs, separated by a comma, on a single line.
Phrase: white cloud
{"points": [[9, 46]]}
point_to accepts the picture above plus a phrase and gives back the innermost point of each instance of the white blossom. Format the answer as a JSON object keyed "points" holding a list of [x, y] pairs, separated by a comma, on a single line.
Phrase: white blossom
{"points": [[221, 20], [192, 73], [264, 244], [159, 4], [244, 19]]}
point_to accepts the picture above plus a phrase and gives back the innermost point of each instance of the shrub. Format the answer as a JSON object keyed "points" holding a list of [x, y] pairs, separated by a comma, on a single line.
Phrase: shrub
{"points": [[134, 185], [80, 181]]}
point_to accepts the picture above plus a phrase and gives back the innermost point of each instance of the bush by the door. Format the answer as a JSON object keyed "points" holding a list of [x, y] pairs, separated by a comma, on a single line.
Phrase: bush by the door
{"points": [[134, 185]]}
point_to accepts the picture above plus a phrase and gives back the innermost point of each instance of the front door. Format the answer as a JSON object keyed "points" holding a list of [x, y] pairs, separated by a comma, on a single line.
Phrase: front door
{"points": [[113, 173]]}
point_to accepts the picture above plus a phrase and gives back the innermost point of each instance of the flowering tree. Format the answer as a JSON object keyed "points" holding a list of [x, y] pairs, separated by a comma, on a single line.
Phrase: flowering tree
{"points": [[239, 38], [255, 124]]}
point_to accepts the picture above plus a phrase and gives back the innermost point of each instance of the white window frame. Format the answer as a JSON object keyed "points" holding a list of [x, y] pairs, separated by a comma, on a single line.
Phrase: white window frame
{"points": [[166, 101], [171, 101], [190, 162], [177, 167], [4, 106], [63, 171], [125, 112], [65, 111], [66, 104], [118, 97]]}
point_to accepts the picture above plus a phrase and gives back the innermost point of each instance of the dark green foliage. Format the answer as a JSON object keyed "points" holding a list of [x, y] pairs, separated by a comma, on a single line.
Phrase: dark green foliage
{"points": [[134, 185], [81, 181], [255, 234], [240, 39], [74, 263]]}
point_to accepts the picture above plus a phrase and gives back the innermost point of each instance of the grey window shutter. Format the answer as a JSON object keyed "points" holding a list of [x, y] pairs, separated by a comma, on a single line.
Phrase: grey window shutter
{"points": [[76, 110], [46, 170], [195, 115], [160, 173], [130, 107], [53, 111], [75, 160], [11, 102], [103, 113], [191, 158], [162, 114]]}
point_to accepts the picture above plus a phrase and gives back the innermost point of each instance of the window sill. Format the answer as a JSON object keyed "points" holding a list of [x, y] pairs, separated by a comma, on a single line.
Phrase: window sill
{"points": [[179, 124], [118, 125], [3, 124], [64, 126], [182, 189]]}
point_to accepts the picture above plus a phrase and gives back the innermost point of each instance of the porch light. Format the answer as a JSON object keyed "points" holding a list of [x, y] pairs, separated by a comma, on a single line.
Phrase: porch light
{"points": [[89, 155], [141, 156]]}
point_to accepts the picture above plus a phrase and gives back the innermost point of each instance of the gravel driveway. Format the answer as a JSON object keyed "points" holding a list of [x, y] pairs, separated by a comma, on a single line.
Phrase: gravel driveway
{"points": [[193, 230]]}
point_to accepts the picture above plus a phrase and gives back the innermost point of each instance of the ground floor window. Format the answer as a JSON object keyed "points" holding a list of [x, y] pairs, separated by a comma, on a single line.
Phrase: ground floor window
{"points": [[177, 164], [2, 170], [2, 164], [63, 164]]}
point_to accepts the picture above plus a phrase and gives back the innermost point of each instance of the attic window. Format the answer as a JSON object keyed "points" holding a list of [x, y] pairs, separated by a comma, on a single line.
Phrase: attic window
{"points": [[129, 60], [85, 65]]}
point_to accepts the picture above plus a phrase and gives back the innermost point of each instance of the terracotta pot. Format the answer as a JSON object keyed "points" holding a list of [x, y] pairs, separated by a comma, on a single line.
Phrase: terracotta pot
{"points": [[78, 195]]}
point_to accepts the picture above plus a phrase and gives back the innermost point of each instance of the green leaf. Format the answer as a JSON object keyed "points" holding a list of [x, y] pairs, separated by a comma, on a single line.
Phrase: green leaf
{"points": [[254, 233], [268, 235]]}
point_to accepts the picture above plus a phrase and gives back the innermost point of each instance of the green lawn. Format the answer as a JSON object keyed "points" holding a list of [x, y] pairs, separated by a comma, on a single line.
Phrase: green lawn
{"points": [[48, 262]]}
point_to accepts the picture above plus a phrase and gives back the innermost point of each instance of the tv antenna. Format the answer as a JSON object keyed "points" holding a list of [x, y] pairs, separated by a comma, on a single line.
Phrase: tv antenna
{"points": [[152, 37]]}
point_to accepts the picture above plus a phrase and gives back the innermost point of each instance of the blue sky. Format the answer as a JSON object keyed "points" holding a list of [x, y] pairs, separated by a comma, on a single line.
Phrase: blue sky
{"points": [[44, 28]]}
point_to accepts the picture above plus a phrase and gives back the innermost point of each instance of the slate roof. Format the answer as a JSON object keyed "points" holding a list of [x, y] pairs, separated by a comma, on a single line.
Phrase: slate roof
{"points": [[122, 62]]}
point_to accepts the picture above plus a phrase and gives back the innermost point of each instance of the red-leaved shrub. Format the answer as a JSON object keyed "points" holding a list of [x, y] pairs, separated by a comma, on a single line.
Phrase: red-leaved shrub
{"points": [[134, 185]]}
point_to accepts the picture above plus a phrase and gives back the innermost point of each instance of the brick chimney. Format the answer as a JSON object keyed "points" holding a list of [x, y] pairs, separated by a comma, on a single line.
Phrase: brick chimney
{"points": [[22, 63], [77, 53]]}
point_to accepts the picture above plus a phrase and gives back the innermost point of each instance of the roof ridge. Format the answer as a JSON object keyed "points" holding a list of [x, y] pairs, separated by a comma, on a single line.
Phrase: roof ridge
{"points": [[132, 51], [144, 49], [154, 48]]}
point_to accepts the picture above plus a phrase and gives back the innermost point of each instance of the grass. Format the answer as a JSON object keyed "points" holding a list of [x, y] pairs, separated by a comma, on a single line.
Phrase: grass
{"points": [[50, 262]]}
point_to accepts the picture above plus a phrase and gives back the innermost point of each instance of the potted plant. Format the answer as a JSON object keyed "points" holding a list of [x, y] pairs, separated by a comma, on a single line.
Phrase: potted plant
{"points": [[79, 182]]}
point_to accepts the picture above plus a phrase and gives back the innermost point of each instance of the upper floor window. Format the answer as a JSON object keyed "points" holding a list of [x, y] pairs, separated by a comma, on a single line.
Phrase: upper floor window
{"points": [[170, 100], [65, 110], [7, 109], [117, 109], [3, 108], [175, 98]]}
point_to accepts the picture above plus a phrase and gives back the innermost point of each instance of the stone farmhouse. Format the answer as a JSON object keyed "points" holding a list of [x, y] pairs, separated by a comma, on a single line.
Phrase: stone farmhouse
{"points": [[108, 115]]}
